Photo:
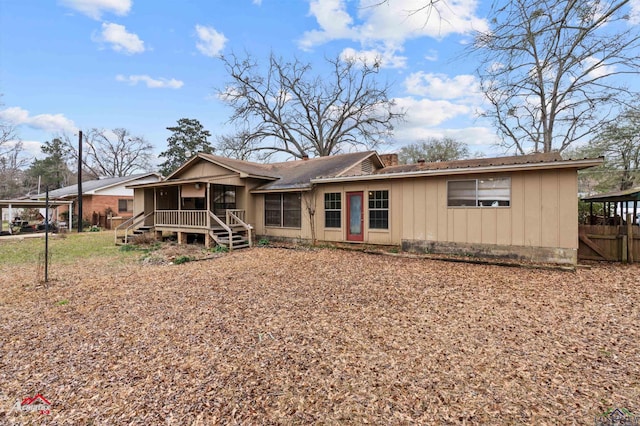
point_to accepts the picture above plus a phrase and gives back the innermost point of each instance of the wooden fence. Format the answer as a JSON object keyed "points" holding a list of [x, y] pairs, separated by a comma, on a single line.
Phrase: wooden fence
{"points": [[610, 243]]}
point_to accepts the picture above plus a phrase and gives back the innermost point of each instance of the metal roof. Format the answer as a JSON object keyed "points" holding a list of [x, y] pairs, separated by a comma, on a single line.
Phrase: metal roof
{"points": [[91, 186], [632, 194], [282, 176]]}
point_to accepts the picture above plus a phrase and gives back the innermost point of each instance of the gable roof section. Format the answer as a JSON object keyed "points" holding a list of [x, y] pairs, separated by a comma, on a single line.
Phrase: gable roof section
{"points": [[91, 186], [284, 176], [297, 175], [476, 165], [243, 168]]}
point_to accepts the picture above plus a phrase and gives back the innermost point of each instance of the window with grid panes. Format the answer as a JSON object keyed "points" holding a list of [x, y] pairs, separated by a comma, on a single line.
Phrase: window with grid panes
{"points": [[332, 209], [379, 209]]}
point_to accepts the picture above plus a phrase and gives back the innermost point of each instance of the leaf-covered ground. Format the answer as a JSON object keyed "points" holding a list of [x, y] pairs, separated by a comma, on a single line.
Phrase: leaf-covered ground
{"points": [[281, 336]]}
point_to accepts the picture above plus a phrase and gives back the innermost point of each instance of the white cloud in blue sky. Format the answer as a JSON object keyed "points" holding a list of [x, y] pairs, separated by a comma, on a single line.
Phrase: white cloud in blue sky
{"points": [[119, 39], [210, 42], [55, 79], [45, 122], [95, 8], [151, 83]]}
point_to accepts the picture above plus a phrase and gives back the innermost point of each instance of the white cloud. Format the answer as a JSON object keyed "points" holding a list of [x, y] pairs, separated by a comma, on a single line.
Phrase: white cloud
{"points": [[120, 39], [442, 86], [46, 122], [425, 118], [599, 70], [257, 2], [334, 21], [634, 13], [385, 59], [432, 55], [95, 8], [211, 42], [478, 138], [391, 23], [427, 112], [152, 83]]}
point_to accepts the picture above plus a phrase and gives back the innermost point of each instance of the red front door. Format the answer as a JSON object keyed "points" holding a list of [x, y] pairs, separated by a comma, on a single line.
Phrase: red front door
{"points": [[355, 216]]}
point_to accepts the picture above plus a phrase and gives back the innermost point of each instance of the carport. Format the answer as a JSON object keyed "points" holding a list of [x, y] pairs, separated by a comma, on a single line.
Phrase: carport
{"points": [[31, 204], [616, 206]]}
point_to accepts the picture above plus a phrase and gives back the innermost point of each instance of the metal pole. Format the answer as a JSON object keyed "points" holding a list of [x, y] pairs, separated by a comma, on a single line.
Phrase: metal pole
{"points": [[79, 181], [46, 236]]}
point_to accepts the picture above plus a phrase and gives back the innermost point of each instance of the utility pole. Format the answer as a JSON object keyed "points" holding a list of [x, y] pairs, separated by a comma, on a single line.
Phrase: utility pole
{"points": [[46, 236], [79, 181]]}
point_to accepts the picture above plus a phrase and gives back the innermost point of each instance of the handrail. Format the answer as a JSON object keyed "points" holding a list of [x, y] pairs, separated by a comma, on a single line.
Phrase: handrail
{"points": [[233, 218], [134, 224], [225, 227], [131, 219]]}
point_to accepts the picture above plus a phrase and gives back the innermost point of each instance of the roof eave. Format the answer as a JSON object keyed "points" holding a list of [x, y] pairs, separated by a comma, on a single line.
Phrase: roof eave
{"points": [[569, 164], [277, 190]]}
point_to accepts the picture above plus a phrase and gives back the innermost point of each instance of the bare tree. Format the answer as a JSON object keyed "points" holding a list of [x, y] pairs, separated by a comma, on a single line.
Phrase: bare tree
{"points": [[12, 161], [286, 109], [553, 70], [433, 150], [238, 146], [619, 143], [113, 153]]}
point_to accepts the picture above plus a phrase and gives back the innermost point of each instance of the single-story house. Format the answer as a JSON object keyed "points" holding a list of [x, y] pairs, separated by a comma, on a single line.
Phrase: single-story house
{"points": [[102, 196], [520, 207]]}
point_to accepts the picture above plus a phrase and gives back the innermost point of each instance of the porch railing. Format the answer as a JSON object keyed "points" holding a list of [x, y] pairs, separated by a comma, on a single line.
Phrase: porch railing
{"points": [[236, 217], [182, 218]]}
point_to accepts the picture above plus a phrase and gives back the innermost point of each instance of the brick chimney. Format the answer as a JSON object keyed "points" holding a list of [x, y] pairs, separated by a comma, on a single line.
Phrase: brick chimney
{"points": [[389, 159]]}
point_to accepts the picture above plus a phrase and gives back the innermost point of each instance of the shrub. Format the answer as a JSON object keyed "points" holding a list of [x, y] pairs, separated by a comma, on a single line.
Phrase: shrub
{"points": [[220, 249], [182, 259]]}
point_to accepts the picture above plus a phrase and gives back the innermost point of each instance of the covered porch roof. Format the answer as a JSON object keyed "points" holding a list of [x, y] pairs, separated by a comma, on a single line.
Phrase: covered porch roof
{"points": [[32, 204], [632, 194]]}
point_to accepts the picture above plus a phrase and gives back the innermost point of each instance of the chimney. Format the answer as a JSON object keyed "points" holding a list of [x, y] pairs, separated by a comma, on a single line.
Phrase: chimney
{"points": [[305, 157], [389, 159], [421, 161]]}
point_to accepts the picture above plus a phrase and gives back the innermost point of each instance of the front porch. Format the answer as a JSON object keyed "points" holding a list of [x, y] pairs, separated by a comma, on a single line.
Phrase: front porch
{"points": [[190, 208]]}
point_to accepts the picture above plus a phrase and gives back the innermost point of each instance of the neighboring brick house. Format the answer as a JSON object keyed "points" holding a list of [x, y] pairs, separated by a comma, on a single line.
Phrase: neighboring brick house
{"points": [[103, 197]]}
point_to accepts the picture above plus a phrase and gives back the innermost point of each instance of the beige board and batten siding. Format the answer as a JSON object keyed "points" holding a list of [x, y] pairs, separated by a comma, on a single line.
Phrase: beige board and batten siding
{"points": [[390, 236], [209, 171], [542, 214]]}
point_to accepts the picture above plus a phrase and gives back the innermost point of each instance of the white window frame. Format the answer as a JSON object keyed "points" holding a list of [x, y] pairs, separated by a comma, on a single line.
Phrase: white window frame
{"points": [[478, 203]]}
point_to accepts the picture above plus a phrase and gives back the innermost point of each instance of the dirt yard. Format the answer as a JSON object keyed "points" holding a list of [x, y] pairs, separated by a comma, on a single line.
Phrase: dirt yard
{"points": [[282, 336]]}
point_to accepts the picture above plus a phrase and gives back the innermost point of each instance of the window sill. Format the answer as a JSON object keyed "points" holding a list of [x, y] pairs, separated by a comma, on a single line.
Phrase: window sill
{"points": [[281, 227], [478, 207]]}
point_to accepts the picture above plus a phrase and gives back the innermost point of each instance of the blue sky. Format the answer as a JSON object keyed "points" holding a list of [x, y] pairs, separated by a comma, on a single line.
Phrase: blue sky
{"points": [[142, 65]]}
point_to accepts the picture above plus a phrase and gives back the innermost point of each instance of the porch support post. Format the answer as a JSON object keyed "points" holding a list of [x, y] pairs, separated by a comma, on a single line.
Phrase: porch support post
{"points": [[180, 237], [207, 240], [630, 237], [208, 201]]}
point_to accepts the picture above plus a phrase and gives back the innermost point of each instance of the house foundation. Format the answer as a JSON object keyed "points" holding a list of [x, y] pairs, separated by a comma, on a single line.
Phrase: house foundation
{"points": [[564, 256]]}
